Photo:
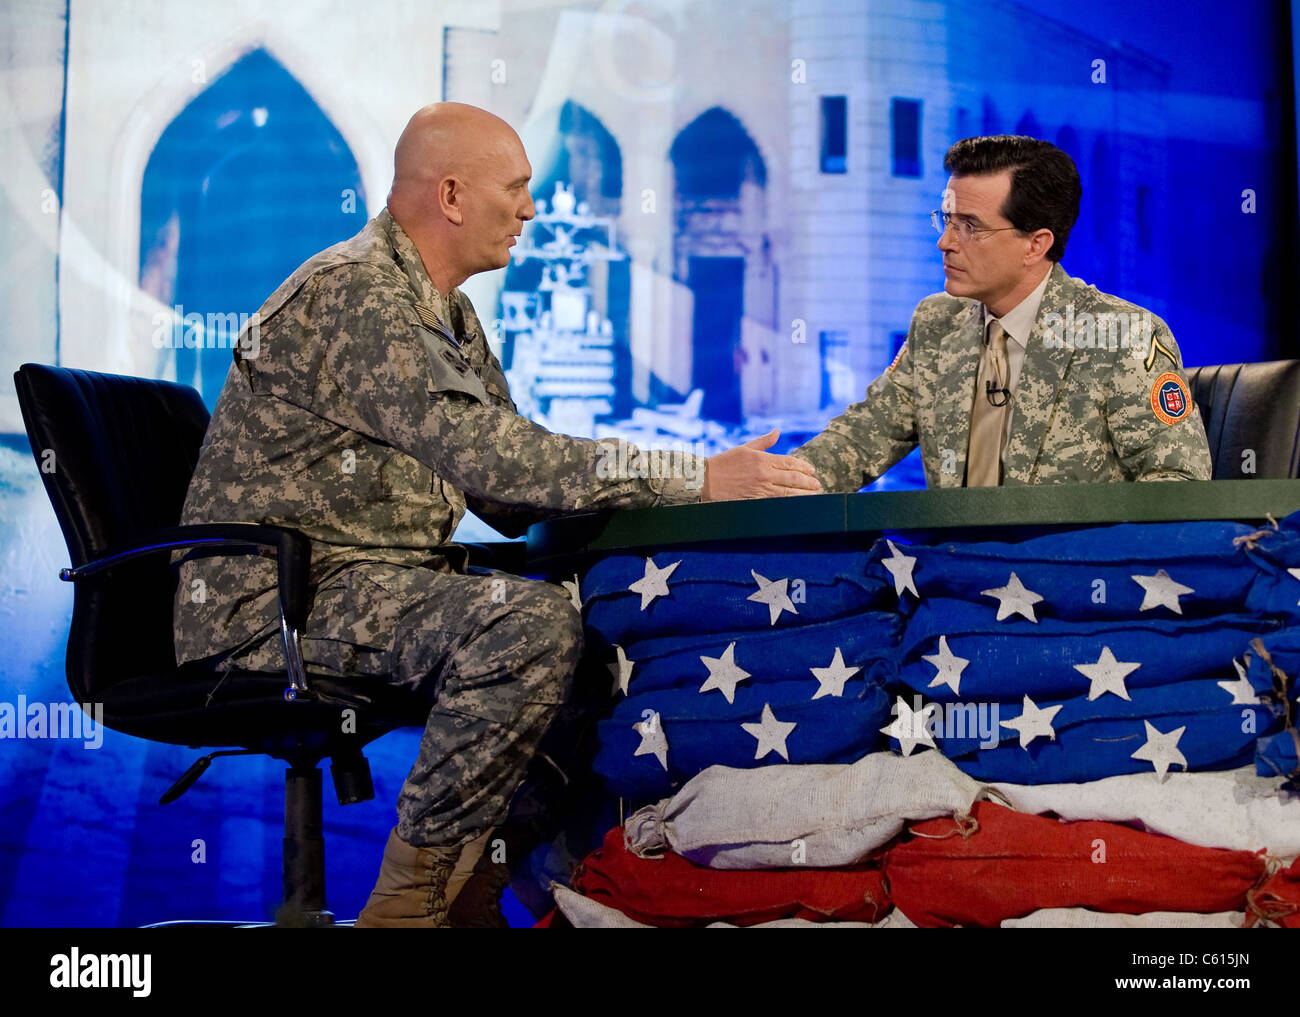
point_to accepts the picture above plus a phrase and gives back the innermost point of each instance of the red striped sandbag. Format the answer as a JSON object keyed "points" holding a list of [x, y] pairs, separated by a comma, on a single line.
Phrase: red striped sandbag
{"points": [[999, 864], [670, 892]]}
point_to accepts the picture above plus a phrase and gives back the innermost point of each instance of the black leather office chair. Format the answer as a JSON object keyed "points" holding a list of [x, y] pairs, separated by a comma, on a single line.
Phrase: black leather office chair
{"points": [[116, 455], [1250, 408]]}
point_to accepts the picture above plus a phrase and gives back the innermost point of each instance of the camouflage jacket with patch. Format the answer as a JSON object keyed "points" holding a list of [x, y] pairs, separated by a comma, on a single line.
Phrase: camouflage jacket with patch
{"points": [[1082, 411], [362, 419]]}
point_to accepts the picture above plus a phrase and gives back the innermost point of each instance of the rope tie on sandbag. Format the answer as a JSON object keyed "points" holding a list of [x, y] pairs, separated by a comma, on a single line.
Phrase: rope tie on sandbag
{"points": [[965, 824], [869, 899], [1279, 688], [645, 834], [1266, 906], [1278, 694], [1280, 680], [1250, 540]]}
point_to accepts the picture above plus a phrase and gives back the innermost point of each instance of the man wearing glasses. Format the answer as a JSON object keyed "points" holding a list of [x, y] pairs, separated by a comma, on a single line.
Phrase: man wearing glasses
{"points": [[1018, 373]]}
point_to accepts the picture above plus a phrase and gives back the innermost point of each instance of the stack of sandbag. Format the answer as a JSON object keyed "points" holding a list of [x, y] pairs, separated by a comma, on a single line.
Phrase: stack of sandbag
{"points": [[1090, 728], [918, 835], [740, 660], [1272, 663], [1082, 655], [749, 846], [1271, 666]]}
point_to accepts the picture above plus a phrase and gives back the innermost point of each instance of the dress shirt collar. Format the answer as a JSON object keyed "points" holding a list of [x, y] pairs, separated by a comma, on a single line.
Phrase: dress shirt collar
{"points": [[1018, 322]]}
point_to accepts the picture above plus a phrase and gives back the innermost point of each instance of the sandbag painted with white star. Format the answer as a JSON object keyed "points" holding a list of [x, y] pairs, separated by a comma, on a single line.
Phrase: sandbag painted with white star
{"points": [[952, 650], [1192, 725], [1191, 569], [653, 743], [629, 597], [820, 654]]}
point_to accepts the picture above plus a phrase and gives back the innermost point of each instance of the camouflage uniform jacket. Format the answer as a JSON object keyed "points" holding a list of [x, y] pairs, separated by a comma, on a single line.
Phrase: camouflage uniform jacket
{"points": [[1083, 412], [363, 423]]}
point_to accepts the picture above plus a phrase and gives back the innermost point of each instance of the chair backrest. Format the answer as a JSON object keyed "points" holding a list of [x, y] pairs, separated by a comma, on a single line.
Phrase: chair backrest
{"points": [[1252, 417], [116, 455]]}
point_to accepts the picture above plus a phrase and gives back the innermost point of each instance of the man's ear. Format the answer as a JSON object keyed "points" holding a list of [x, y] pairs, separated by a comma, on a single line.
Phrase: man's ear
{"points": [[449, 200], [1040, 242]]}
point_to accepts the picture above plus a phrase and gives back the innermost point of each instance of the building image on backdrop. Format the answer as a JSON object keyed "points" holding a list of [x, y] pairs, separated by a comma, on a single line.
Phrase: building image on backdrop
{"points": [[731, 236]]}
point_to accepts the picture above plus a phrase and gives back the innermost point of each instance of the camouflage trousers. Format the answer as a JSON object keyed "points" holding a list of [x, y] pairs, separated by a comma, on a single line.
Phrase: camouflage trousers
{"points": [[495, 655]]}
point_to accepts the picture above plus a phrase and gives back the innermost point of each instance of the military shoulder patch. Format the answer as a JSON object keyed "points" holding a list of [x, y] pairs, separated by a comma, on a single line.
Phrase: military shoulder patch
{"points": [[1157, 348], [897, 356], [1170, 399]]}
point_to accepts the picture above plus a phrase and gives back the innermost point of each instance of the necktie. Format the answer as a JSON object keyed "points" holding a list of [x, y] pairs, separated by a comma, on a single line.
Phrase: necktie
{"points": [[987, 421]]}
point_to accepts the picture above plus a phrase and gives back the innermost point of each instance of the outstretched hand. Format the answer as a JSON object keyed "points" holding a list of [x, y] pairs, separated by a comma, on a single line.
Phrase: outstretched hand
{"points": [[747, 471]]}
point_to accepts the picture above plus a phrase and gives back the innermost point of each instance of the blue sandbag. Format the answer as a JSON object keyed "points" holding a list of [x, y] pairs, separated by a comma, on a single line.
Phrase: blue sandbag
{"points": [[868, 641], [704, 729], [1273, 552], [1096, 739], [1015, 657], [709, 591], [1272, 666], [1278, 755], [1087, 574]]}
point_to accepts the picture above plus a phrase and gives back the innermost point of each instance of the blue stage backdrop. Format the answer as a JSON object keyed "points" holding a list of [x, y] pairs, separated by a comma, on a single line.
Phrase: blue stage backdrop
{"points": [[740, 198]]}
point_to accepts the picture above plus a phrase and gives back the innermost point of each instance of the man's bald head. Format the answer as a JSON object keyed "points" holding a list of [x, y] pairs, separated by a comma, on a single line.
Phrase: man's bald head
{"points": [[460, 191], [445, 139]]}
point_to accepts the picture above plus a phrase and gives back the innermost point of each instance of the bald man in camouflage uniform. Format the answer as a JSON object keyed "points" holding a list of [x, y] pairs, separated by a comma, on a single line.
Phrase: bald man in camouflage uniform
{"points": [[1096, 388], [371, 416]]}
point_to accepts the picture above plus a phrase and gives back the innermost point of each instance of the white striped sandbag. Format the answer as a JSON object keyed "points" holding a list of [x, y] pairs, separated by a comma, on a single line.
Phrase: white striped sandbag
{"points": [[1232, 809], [820, 815]]}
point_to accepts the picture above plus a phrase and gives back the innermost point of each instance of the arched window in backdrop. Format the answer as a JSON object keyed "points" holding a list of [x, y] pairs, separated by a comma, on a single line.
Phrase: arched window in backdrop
{"points": [[720, 206], [247, 182]]}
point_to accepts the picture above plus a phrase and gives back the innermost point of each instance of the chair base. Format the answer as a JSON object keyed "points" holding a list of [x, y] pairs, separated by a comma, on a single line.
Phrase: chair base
{"points": [[292, 918]]}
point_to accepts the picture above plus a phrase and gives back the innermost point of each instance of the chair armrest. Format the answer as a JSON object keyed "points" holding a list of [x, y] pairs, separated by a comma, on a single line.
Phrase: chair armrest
{"points": [[499, 555], [292, 554]]}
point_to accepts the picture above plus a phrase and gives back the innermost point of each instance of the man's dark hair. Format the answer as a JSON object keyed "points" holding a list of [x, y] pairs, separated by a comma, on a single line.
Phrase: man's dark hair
{"points": [[1045, 187]]}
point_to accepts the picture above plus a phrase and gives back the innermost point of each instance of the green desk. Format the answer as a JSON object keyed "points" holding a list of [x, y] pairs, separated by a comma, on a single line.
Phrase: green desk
{"points": [[1006, 513]]}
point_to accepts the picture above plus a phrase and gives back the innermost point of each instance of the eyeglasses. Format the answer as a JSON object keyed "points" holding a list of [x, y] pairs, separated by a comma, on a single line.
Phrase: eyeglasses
{"points": [[966, 231]]}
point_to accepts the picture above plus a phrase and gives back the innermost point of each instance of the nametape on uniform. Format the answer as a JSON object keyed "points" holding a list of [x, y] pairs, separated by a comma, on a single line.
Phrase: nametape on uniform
{"points": [[1170, 399]]}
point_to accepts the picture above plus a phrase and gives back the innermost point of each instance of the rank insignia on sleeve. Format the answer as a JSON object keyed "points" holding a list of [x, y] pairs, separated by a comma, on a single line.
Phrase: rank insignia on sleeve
{"points": [[1169, 398], [1157, 347]]}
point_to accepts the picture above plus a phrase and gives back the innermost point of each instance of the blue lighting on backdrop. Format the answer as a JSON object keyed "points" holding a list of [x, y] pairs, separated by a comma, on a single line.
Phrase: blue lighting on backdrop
{"points": [[252, 177]]}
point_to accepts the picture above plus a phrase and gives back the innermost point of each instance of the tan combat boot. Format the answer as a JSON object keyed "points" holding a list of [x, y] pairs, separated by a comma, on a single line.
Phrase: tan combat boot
{"points": [[411, 891], [479, 882]]}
